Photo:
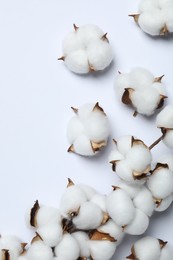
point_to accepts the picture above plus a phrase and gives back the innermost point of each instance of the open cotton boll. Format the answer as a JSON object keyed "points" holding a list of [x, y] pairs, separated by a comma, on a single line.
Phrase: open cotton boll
{"points": [[144, 201], [166, 253], [87, 49], [147, 248], [89, 130], [140, 78], [165, 118], [68, 248], [13, 245], [85, 219], [72, 199], [82, 239], [160, 183], [111, 228], [39, 250], [120, 207], [51, 233], [165, 203], [139, 224], [100, 201], [101, 250], [168, 138]]}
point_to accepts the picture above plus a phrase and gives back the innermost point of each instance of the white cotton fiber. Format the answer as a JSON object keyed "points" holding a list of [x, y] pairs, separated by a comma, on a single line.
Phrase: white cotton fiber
{"points": [[168, 138], [165, 117], [101, 250], [89, 32], [146, 5], [85, 111], [138, 225], [39, 250], [115, 156], [120, 207], [122, 81], [165, 203], [100, 201], [72, 199], [115, 231], [124, 171], [88, 190], [51, 233], [85, 219], [166, 253], [47, 215], [82, 146], [82, 239], [71, 43], [168, 159], [160, 183], [77, 62], [140, 78], [68, 248], [168, 16], [147, 248], [144, 201], [13, 244], [74, 129], [131, 189], [124, 144]]}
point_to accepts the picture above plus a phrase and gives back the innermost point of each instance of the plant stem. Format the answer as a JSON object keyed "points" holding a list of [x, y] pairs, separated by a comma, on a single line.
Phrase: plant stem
{"points": [[156, 142]]}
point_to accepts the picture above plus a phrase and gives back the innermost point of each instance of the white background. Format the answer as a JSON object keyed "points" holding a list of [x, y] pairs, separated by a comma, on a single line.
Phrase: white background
{"points": [[37, 91]]}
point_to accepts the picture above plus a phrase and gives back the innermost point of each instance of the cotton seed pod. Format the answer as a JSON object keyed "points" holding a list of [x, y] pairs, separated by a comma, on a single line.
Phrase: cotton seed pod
{"points": [[143, 200], [84, 219], [164, 121], [115, 231], [82, 238], [150, 248], [132, 160], [10, 247], [71, 200], [86, 49], [88, 131], [138, 225], [140, 90], [120, 207], [160, 183], [39, 250], [68, 248], [155, 17]]}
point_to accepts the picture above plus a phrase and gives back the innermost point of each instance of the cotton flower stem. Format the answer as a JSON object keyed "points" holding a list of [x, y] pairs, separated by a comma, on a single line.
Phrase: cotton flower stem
{"points": [[155, 143]]}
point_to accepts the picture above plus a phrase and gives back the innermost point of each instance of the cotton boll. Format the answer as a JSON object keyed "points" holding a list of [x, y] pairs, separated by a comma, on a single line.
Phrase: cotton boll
{"points": [[168, 138], [139, 224], [122, 81], [39, 250], [85, 219], [77, 62], [160, 183], [74, 129], [166, 253], [139, 157], [144, 201], [124, 144], [68, 248], [51, 233], [82, 239], [88, 190], [100, 201], [47, 215], [131, 189], [147, 248], [151, 22], [115, 231], [72, 199], [120, 207], [165, 117], [165, 203], [12, 244], [140, 78], [99, 54], [102, 250], [89, 32]]}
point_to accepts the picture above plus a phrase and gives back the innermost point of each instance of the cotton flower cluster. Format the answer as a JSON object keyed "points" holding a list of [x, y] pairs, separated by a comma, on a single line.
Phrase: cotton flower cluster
{"points": [[155, 16], [150, 248], [86, 49], [164, 121], [141, 90], [88, 130]]}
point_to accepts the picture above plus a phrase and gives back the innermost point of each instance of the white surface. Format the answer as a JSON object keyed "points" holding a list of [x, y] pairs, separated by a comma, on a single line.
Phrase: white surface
{"points": [[37, 91]]}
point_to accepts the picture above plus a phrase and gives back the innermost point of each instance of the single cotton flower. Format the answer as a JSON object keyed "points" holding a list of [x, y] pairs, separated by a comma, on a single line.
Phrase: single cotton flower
{"points": [[131, 159], [141, 90], [155, 17], [88, 130], [86, 49]]}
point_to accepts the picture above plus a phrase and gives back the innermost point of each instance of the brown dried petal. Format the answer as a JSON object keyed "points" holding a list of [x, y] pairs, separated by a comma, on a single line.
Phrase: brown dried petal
{"points": [[97, 146], [70, 183], [159, 79], [33, 214], [71, 149], [104, 37], [98, 108], [135, 17], [5, 254], [100, 236], [126, 96], [164, 31], [162, 243]]}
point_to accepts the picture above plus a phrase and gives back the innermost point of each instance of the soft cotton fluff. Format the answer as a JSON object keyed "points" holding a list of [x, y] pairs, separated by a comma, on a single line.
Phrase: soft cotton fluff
{"points": [[101, 250], [12, 245], [164, 121], [88, 131], [39, 250], [155, 17], [141, 90], [131, 159], [86, 49], [82, 238]]}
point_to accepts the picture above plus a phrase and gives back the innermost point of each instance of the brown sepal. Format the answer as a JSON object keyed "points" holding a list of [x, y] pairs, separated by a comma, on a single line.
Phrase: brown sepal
{"points": [[36, 238], [115, 188], [113, 165], [71, 149], [105, 218], [159, 79], [91, 68], [132, 257], [100, 236], [97, 146], [115, 142], [104, 37], [164, 31], [75, 27], [159, 166], [5, 254], [70, 183], [75, 110], [162, 243], [161, 102], [61, 58], [126, 96], [98, 108], [135, 113], [33, 214], [157, 202], [135, 17], [67, 225]]}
